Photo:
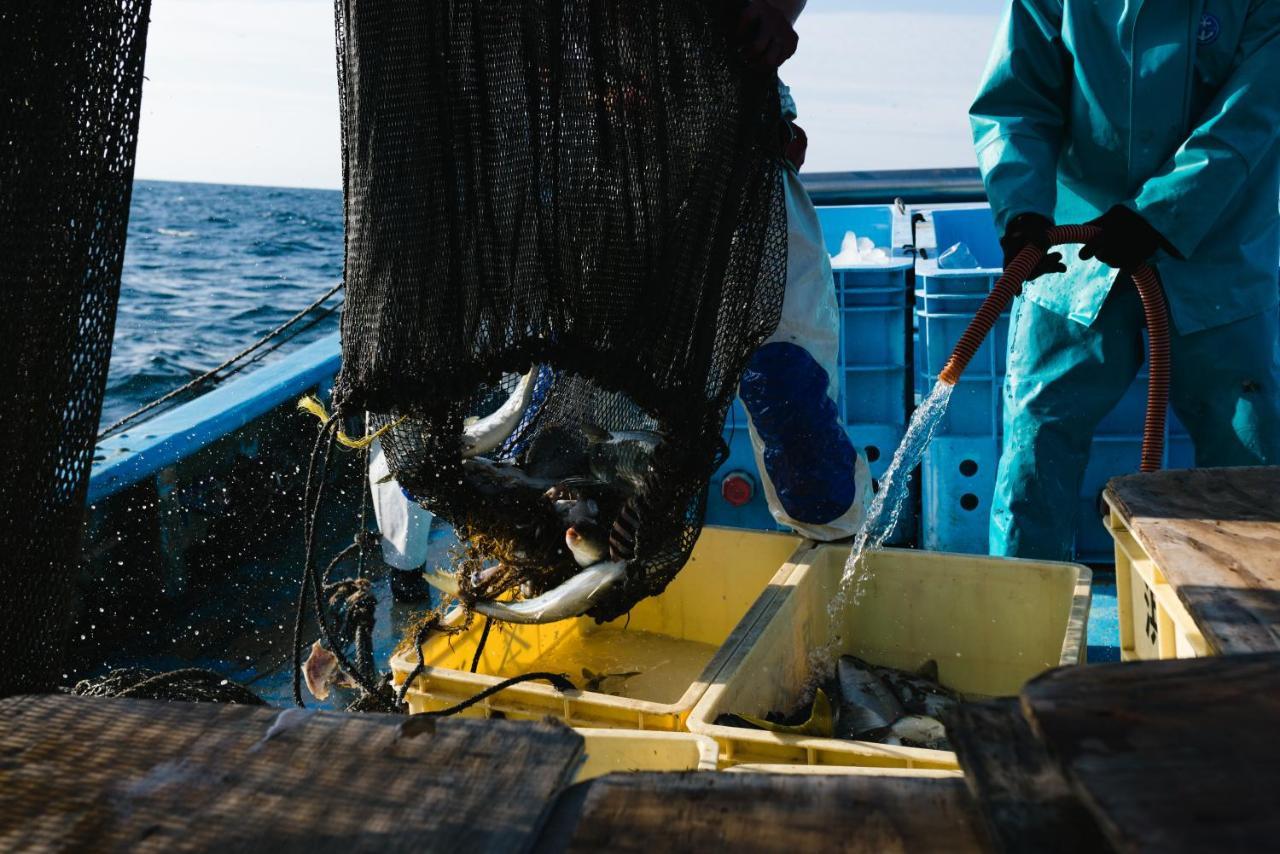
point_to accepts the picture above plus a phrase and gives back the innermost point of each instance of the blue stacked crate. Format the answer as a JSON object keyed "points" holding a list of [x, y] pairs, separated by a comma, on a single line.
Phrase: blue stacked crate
{"points": [[875, 356], [959, 468]]}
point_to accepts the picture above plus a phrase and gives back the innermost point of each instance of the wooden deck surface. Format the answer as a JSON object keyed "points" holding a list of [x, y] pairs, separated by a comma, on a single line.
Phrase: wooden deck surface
{"points": [[1215, 534], [92, 774]]}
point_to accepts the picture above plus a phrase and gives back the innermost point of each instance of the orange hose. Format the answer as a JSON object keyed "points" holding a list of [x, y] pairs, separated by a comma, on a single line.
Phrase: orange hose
{"points": [[1154, 307]]}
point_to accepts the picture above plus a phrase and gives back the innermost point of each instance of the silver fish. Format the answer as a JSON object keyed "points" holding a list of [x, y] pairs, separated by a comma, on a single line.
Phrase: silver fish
{"points": [[866, 703], [918, 731], [482, 435], [920, 693], [573, 598]]}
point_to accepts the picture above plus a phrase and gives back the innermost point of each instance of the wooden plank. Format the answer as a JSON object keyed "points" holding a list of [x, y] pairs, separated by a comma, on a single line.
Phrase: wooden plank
{"points": [[1215, 535], [1169, 756], [1026, 801], [89, 773], [700, 812]]}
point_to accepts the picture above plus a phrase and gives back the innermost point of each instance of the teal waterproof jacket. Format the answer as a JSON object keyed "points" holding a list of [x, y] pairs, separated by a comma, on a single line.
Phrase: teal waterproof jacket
{"points": [[1171, 107]]}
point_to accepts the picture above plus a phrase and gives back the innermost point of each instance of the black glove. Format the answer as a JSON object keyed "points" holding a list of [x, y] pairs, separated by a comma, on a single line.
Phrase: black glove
{"points": [[1031, 229], [1126, 240], [763, 35]]}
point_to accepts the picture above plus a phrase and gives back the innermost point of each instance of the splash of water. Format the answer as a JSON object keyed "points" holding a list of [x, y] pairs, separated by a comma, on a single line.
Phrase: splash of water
{"points": [[882, 517]]}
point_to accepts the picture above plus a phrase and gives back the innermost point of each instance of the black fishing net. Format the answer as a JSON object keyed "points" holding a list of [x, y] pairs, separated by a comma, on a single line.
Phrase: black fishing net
{"points": [[591, 187], [72, 83]]}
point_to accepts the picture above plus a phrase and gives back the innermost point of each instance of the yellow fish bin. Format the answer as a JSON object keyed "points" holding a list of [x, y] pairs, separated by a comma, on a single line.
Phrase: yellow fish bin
{"points": [[645, 670], [989, 623]]}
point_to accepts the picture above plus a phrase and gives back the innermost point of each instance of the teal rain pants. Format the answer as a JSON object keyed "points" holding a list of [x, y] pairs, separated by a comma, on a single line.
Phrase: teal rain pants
{"points": [[1064, 377]]}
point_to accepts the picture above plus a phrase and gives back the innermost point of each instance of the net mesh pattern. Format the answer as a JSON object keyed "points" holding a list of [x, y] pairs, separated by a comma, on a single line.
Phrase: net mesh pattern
{"points": [[588, 186], [68, 126]]}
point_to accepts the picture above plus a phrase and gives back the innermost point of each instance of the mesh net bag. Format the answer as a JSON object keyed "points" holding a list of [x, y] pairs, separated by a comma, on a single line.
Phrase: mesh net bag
{"points": [[68, 126], [588, 189]]}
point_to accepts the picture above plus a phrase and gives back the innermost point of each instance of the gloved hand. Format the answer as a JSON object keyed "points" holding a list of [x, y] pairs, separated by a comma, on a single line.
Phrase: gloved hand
{"points": [[763, 34], [1126, 239], [1030, 229]]}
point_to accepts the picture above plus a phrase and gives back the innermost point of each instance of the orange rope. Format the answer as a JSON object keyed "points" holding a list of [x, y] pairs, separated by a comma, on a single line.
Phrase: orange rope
{"points": [[1154, 307]]}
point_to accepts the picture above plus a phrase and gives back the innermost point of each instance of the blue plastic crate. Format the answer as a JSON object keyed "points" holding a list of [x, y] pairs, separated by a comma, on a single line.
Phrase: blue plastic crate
{"points": [[874, 395], [957, 483], [874, 222], [972, 226], [877, 442]]}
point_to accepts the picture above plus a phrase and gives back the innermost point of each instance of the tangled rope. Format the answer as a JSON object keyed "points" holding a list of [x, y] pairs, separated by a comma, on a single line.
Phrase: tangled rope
{"points": [[192, 684], [1154, 307]]}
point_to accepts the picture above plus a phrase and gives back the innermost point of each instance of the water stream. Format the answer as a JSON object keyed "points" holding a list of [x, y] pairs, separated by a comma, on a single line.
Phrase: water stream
{"points": [[882, 517]]}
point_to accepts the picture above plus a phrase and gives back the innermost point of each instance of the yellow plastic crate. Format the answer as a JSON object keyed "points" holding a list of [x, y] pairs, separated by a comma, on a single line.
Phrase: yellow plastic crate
{"points": [[1154, 623], [843, 770], [610, 750], [676, 643], [990, 623]]}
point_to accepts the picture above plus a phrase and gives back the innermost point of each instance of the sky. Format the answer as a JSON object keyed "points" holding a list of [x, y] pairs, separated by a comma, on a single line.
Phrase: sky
{"points": [[244, 91]]}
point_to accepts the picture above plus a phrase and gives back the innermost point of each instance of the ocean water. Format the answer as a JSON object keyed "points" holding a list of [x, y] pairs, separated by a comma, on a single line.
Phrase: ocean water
{"points": [[210, 268]]}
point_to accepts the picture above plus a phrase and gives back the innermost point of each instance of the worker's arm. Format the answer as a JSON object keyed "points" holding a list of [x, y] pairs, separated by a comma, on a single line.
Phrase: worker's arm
{"points": [[1184, 200], [764, 32], [1019, 115]]}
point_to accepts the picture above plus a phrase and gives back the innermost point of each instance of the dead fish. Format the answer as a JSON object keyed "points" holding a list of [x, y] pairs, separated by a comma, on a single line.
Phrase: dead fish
{"points": [[918, 731], [573, 598], [920, 693], [625, 457], [482, 435], [820, 724], [322, 672], [596, 681], [557, 452], [499, 478], [866, 703], [588, 542]]}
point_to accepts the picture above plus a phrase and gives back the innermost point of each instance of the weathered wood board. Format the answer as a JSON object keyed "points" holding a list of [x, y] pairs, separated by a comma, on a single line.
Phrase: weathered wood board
{"points": [[701, 812], [1169, 756], [80, 773], [1215, 534], [1026, 800]]}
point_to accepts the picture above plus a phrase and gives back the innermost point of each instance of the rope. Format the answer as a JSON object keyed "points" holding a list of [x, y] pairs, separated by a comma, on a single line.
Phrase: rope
{"points": [[192, 684], [484, 638], [1154, 307], [558, 681], [212, 374]]}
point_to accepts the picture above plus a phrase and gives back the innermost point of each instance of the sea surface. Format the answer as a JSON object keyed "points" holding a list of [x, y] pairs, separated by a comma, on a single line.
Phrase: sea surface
{"points": [[210, 268]]}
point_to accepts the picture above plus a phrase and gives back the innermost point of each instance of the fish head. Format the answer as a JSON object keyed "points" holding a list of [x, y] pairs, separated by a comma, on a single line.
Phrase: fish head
{"points": [[587, 543]]}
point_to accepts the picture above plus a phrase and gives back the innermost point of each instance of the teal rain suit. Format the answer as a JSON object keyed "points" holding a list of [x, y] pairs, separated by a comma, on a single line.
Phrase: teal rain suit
{"points": [[1172, 108]]}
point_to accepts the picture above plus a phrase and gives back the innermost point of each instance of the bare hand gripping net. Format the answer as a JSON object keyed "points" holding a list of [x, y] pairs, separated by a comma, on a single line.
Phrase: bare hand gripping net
{"points": [[586, 188]]}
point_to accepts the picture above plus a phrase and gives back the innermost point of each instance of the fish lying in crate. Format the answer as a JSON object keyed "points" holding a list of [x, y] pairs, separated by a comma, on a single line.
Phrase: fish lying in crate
{"points": [[869, 703]]}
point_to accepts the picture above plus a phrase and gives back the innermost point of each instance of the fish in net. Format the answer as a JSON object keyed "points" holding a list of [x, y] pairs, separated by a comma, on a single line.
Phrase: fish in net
{"points": [[565, 236]]}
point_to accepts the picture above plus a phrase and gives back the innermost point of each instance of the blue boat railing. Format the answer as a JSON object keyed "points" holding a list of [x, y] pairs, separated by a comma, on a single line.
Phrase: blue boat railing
{"points": [[141, 451]]}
